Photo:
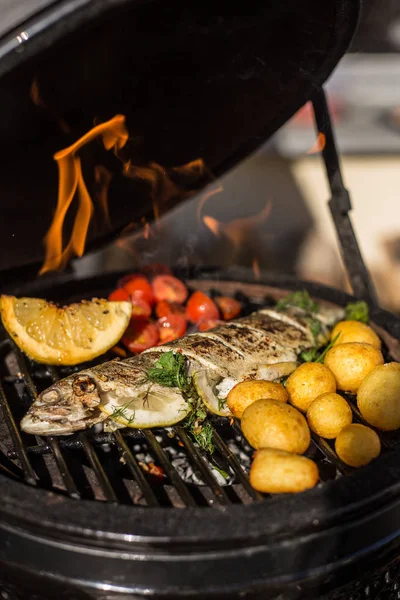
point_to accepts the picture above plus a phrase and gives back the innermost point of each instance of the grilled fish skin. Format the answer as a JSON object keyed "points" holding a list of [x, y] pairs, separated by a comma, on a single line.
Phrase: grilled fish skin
{"points": [[230, 353]]}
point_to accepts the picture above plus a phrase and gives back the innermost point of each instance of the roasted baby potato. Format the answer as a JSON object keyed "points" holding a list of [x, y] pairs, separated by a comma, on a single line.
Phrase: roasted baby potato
{"points": [[356, 445], [278, 472], [355, 331], [247, 392], [378, 397], [350, 363], [271, 423], [328, 414], [307, 382]]}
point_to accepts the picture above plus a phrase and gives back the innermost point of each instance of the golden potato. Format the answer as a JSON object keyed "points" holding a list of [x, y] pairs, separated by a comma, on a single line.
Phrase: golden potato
{"points": [[350, 363], [271, 423], [355, 331], [307, 382], [247, 392], [279, 472], [328, 414], [378, 397], [356, 445]]}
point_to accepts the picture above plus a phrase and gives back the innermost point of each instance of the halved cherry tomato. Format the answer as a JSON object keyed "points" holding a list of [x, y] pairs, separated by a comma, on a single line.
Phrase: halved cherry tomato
{"points": [[165, 308], [200, 307], [140, 287], [140, 335], [119, 295], [140, 308], [206, 324], [171, 328], [168, 287], [229, 307]]}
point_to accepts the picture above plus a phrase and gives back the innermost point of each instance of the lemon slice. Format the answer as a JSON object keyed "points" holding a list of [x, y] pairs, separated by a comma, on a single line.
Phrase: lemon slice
{"points": [[157, 406], [205, 389], [65, 335]]}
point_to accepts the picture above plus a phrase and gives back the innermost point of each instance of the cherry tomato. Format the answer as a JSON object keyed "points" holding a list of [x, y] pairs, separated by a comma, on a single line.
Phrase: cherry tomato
{"points": [[168, 287], [206, 324], [171, 328], [126, 278], [140, 335], [119, 295], [140, 287], [165, 308], [229, 307], [140, 308], [200, 307]]}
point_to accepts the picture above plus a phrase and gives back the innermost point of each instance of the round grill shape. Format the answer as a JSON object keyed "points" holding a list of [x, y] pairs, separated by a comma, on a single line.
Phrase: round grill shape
{"points": [[190, 530]]}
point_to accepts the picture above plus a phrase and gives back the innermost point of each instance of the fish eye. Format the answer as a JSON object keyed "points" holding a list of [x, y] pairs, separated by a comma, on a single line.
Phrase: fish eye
{"points": [[83, 384]]}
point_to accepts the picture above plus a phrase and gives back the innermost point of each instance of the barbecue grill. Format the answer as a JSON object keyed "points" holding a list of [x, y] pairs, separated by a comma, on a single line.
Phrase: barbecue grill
{"points": [[138, 513]]}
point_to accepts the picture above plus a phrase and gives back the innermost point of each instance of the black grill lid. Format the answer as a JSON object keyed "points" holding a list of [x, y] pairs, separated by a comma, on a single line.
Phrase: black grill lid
{"points": [[192, 85]]}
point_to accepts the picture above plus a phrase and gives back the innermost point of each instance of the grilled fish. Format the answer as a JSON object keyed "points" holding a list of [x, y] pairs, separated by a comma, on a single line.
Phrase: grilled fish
{"points": [[263, 345]]}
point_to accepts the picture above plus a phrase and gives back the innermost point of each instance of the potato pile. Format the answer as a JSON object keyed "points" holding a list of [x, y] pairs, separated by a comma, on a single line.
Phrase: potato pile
{"points": [[276, 420]]}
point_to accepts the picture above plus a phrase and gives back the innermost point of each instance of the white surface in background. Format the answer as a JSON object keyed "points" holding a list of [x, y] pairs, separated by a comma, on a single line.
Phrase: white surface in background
{"points": [[374, 185]]}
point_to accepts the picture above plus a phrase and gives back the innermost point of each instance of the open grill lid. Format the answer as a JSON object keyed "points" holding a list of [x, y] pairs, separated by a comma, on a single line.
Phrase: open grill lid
{"points": [[191, 86]]}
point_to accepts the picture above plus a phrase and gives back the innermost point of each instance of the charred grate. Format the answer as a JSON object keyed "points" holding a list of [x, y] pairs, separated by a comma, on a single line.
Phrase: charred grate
{"points": [[161, 467]]}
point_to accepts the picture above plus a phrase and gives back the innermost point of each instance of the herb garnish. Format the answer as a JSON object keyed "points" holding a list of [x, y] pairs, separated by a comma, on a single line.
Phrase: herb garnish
{"points": [[121, 412], [300, 299], [170, 370], [357, 311]]}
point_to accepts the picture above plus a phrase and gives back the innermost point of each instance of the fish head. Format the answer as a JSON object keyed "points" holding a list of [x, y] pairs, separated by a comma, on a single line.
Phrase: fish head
{"points": [[68, 405]]}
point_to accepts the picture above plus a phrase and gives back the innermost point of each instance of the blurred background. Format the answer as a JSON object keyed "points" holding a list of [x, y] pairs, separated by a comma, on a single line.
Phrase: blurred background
{"points": [[270, 213]]}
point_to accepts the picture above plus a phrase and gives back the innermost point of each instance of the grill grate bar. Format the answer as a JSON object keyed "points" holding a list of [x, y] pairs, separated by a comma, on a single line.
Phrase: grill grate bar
{"points": [[173, 476], [96, 465], [51, 441], [330, 454], [63, 468], [197, 458], [135, 470], [235, 466], [29, 473]]}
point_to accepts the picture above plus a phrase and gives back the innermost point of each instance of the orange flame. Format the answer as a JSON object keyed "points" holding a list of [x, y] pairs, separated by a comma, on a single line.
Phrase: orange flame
{"points": [[161, 181], [319, 144], [114, 135], [238, 231], [256, 269], [204, 198]]}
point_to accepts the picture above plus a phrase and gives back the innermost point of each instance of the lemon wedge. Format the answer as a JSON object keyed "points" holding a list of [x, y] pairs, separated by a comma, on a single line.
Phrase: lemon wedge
{"points": [[205, 389], [156, 406], [65, 335]]}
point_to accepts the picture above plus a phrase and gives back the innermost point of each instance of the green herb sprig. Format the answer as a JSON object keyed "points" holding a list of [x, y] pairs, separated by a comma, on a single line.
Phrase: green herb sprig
{"points": [[170, 370], [301, 299], [357, 311]]}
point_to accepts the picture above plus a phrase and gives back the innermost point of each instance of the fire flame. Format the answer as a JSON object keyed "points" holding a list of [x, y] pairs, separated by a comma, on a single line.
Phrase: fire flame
{"points": [[238, 231], [319, 144], [114, 135], [256, 269]]}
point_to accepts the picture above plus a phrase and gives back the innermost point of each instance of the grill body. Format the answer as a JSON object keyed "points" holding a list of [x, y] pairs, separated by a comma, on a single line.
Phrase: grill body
{"points": [[282, 547]]}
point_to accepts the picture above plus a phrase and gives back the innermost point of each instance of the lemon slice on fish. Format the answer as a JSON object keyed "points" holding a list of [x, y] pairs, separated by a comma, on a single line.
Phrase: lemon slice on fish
{"points": [[65, 335], [156, 407], [205, 389]]}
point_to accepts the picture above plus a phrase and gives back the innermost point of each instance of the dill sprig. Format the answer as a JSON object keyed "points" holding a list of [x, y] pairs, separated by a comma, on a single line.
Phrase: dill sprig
{"points": [[357, 311], [170, 370], [121, 411], [301, 299]]}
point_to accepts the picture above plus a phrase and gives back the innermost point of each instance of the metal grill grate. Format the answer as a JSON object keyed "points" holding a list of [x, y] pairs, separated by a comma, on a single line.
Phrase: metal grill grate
{"points": [[153, 468]]}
